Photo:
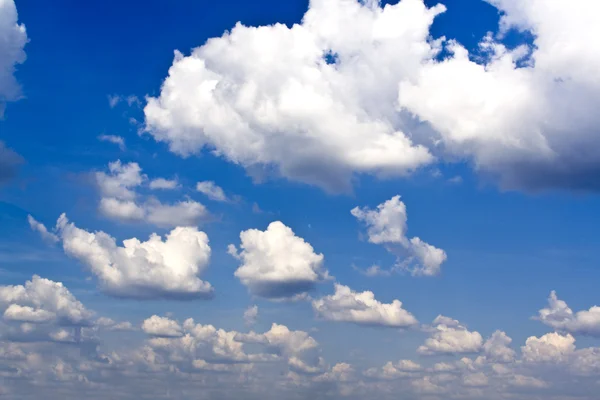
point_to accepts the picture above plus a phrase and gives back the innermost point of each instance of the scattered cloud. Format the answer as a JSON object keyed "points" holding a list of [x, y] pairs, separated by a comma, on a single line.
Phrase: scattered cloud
{"points": [[157, 268], [276, 263], [559, 316], [362, 308], [211, 190], [387, 225], [164, 184], [42, 230], [118, 140]]}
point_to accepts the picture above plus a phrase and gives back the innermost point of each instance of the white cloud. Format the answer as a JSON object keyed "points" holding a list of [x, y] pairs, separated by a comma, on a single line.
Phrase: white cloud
{"points": [[42, 299], [362, 308], [276, 263], [211, 190], [529, 109], [183, 213], [42, 230], [13, 38], [120, 180], [161, 327], [552, 347], [497, 349], [151, 269], [164, 184], [118, 140], [387, 225], [120, 200], [450, 337], [259, 113], [559, 316], [250, 315]]}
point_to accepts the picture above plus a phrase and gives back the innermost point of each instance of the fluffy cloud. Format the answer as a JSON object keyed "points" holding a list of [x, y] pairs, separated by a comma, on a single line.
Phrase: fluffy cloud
{"points": [[151, 269], [42, 230], [161, 327], [362, 308], [42, 300], [552, 347], [559, 316], [450, 337], [401, 369], [12, 42], [524, 115], [497, 349], [350, 84], [327, 86], [276, 263], [387, 225], [211, 190], [120, 200]]}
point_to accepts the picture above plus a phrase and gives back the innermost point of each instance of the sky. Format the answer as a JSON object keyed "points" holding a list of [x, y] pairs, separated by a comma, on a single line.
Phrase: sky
{"points": [[334, 199]]}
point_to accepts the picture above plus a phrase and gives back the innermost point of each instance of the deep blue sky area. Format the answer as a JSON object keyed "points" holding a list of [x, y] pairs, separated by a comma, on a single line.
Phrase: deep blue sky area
{"points": [[506, 248]]}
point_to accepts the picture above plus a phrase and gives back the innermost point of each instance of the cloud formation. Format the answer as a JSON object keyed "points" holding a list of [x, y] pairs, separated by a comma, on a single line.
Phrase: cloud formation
{"points": [[386, 225], [559, 316], [13, 38], [277, 264], [346, 305], [121, 201], [364, 88], [156, 268]]}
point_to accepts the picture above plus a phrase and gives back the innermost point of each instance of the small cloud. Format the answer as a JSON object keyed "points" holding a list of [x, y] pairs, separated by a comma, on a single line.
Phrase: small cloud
{"points": [[118, 140], [164, 184], [212, 191], [42, 230], [113, 100]]}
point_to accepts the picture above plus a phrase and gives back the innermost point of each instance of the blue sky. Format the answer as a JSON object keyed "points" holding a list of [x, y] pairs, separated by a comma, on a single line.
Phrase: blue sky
{"points": [[489, 140]]}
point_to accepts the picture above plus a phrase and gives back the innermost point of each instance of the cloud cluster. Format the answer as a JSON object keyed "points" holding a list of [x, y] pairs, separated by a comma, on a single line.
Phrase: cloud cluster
{"points": [[155, 268], [559, 316], [364, 88], [277, 264], [13, 38], [121, 201], [450, 337], [387, 225], [346, 305]]}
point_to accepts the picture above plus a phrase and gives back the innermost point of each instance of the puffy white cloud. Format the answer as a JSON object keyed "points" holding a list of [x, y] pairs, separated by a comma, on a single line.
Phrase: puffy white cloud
{"points": [[161, 327], [151, 269], [164, 184], [250, 315], [120, 200], [342, 114], [42, 230], [497, 349], [524, 115], [450, 337], [387, 225], [118, 140], [13, 38], [559, 316], [362, 308], [552, 347], [211, 190], [120, 180], [350, 84], [276, 263], [281, 338], [42, 300]]}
